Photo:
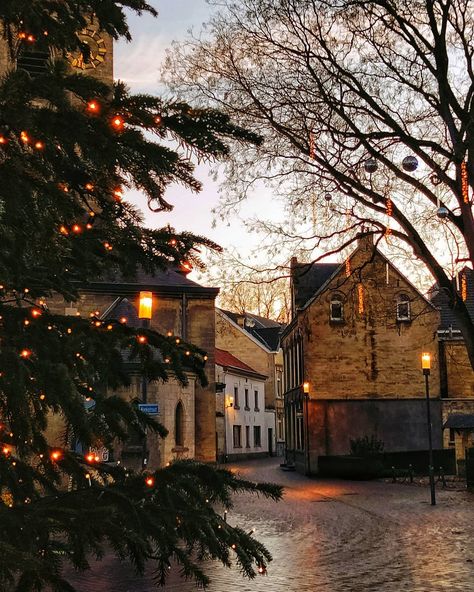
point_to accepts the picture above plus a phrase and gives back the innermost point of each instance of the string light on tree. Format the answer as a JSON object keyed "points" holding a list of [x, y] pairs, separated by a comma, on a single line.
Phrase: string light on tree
{"points": [[464, 183]]}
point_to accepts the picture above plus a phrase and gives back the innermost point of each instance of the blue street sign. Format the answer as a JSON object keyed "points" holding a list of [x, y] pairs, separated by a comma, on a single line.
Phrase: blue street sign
{"points": [[150, 408]]}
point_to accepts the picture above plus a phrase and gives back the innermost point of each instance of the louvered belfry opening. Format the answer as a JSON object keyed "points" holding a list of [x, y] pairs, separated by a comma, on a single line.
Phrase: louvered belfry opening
{"points": [[33, 59]]}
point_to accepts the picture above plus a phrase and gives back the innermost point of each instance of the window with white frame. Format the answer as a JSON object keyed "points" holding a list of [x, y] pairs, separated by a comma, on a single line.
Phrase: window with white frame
{"points": [[237, 436], [257, 436], [247, 436], [403, 308], [247, 404], [236, 397], [336, 309], [255, 393]]}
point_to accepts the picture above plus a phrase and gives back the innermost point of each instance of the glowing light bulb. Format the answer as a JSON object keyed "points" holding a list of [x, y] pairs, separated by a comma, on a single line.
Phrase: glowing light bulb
{"points": [[89, 187], [141, 339], [25, 353], [24, 137], [150, 481], [39, 145], [117, 122], [3, 140], [63, 230], [123, 320], [56, 455], [93, 106], [76, 228], [118, 194]]}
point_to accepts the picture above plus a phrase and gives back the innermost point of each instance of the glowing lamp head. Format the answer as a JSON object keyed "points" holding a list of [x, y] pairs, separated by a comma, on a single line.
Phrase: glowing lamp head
{"points": [[306, 388], [150, 481], [56, 455], [145, 305], [25, 353], [426, 361]]}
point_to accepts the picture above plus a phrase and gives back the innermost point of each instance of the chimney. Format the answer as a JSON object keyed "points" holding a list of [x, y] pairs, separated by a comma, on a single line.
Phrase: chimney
{"points": [[365, 240]]}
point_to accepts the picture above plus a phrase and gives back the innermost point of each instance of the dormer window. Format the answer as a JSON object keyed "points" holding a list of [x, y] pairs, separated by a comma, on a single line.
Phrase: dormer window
{"points": [[403, 308], [336, 309]]}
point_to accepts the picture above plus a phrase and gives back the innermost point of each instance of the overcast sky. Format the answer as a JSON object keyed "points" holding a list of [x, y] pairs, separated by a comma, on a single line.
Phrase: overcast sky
{"points": [[138, 63]]}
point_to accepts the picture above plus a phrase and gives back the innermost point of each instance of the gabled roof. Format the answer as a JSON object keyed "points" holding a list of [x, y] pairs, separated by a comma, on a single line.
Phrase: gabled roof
{"points": [[307, 279], [339, 267], [440, 299], [265, 331], [228, 360]]}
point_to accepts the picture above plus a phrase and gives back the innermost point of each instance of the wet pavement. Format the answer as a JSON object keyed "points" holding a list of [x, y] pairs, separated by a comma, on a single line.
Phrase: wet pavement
{"points": [[335, 536]]}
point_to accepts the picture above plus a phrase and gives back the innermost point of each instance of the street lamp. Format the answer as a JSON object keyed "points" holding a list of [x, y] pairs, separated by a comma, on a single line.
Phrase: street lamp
{"points": [[145, 306], [426, 367], [306, 412]]}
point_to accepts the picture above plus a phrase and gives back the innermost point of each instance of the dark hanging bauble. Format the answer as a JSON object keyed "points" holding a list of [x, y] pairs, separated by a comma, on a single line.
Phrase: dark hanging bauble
{"points": [[371, 165], [327, 197], [442, 212], [435, 179], [410, 163]]}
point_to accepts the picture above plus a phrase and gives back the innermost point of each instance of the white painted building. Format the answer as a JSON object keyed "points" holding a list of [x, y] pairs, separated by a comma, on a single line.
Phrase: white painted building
{"points": [[244, 427]]}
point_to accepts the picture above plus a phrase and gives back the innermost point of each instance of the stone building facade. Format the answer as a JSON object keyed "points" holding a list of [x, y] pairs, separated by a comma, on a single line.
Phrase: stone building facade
{"points": [[456, 373], [185, 309], [256, 341], [357, 334]]}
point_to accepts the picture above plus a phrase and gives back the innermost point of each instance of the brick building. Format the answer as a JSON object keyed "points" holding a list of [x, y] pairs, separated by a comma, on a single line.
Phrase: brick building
{"points": [[357, 334], [256, 341]]}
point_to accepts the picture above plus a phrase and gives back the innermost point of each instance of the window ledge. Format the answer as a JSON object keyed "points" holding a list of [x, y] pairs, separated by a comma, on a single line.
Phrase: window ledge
{"points": [[407, 321], [337, 322], [257, 409], [236, 406], [246, 408]]}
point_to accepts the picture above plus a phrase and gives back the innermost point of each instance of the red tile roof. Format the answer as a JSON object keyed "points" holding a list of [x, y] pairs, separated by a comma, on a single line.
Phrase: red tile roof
{"points": [[225, 358]]}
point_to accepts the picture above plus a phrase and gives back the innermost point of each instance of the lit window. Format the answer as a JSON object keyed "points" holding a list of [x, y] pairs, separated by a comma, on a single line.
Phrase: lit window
{"points": [[403, 308], [336, 310]]}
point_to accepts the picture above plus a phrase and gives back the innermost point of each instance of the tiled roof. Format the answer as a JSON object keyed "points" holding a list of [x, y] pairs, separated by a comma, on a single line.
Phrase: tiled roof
{"points": [[169, 281], [264, 330], [459, 421], [307, 278], [226, 359], [440, 299]]}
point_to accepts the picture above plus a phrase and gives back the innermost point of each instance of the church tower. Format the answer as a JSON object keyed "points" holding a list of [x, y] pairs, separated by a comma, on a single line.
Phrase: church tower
{"points": [[94, 59]]}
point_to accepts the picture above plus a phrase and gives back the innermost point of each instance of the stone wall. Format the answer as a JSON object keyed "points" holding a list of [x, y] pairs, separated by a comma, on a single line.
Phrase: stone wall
{"points": [[400, 424], [459, 372], [370, 354], [244, 347]]}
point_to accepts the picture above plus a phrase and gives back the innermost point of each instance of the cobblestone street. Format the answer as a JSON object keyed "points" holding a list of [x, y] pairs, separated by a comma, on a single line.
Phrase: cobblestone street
{"points": [[337, 536]]}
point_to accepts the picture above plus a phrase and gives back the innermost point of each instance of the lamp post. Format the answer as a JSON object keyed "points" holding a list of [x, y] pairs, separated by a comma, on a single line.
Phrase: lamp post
{"points": [[145, 307], [426, 367], [306, 413]]}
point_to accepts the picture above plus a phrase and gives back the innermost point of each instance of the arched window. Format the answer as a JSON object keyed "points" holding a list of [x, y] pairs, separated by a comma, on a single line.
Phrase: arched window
{"points": [[403, 308], [336, 309], [179, 425]]}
